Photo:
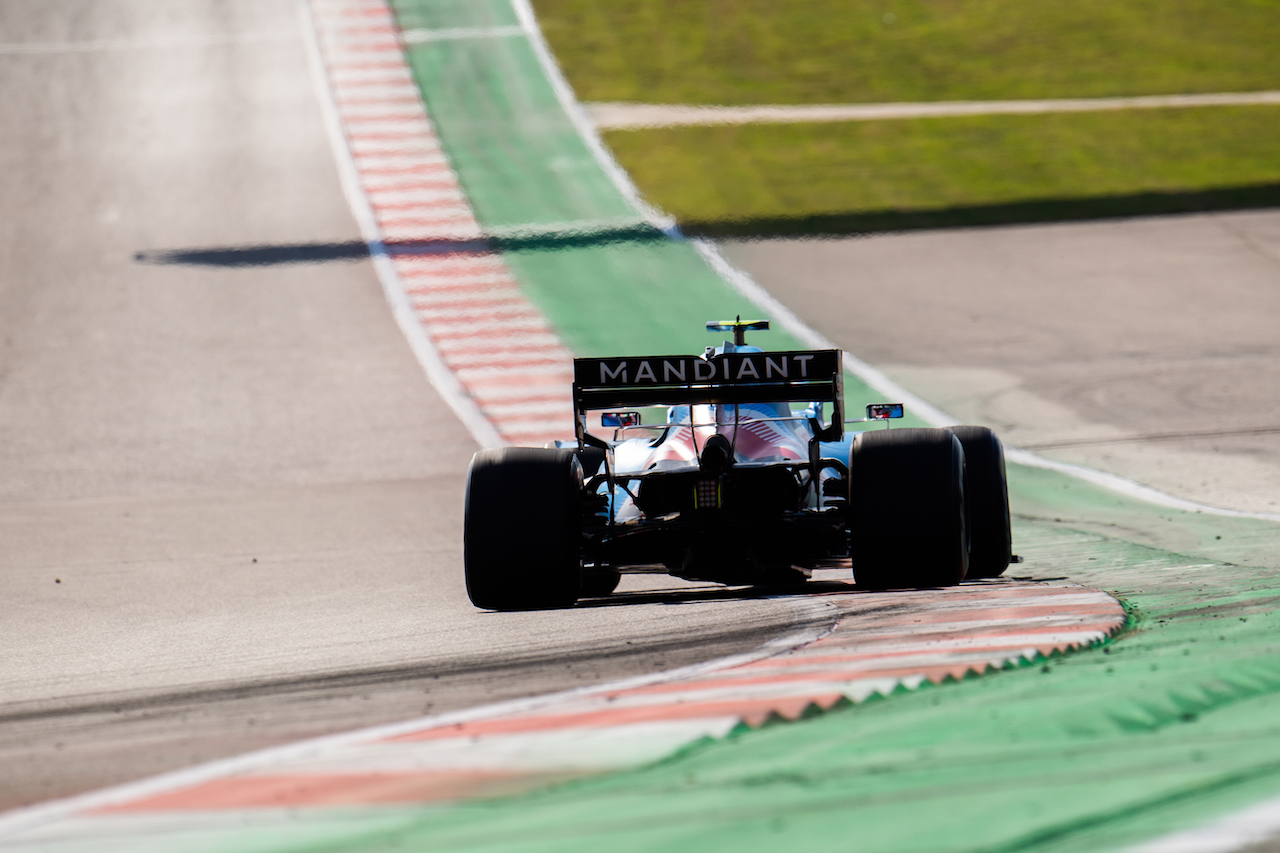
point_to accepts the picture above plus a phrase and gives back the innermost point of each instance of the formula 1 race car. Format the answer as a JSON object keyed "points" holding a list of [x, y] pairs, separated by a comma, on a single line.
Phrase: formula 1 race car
{"points": [[731, 485]]}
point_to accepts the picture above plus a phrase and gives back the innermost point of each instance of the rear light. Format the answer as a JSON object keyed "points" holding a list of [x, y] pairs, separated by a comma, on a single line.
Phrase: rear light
{"points": [[706, 494]]}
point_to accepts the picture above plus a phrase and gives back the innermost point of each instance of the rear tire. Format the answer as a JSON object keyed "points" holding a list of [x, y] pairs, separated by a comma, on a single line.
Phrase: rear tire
{"points": [[987, 490], [521, 529], [907, 509]]}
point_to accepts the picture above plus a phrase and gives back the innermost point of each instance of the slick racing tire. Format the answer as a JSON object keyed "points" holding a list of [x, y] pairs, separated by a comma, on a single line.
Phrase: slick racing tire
{"points": [[591, 458], [906, 509], [987, 492], [521, 529]]}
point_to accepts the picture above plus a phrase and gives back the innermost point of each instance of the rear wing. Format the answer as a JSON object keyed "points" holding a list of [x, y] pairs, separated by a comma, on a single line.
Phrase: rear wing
{"points": [[736, 377]]}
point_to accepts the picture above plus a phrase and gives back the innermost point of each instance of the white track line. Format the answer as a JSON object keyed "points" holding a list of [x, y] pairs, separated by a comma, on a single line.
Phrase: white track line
{"points": [[628, 116], [1236, 831], [452, 33]]}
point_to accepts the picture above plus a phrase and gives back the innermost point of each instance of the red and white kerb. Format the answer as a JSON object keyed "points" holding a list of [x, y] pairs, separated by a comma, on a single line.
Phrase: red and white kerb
{"points": [[498, 345]]}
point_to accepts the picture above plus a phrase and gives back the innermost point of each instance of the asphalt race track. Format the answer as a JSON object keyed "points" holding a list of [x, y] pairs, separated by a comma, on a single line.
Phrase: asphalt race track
{"points": [[1144, 347], [231, 502]]}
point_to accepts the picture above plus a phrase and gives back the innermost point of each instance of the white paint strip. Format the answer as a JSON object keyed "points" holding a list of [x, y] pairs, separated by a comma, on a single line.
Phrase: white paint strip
{"points": [[441, 378], [1234, 832], [548, 374], [872, 635], [514, 344], [566, 749], [387, 79], [715, 693], [540, 359], [360, 8], [429, 224], [386, 199], [1128, 487], [976, 658], [493, 312], [727, 690], [465, 265], [550, 426], [390, 110], [500, 410], [988, 598], [395, 126], [421, 36], [364, 147], [435, 287], [472, 298], [625, 116], [497, 327], [478, 295], [436, 231], [389, 92], [1029, 640], [354, 42], [400, 162]]}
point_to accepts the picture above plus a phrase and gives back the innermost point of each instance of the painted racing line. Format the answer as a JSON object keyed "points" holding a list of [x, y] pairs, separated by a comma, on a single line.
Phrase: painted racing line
{"points": [[628, 116], [882, 643]]}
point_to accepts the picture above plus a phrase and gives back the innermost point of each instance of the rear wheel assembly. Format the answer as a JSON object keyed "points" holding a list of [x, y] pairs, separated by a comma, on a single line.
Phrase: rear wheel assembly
{"points": [[521, 529], [987, 494], [907, 509]]}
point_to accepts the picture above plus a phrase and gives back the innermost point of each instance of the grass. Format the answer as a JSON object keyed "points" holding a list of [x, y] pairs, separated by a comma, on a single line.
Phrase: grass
{"points": [[837, 51], [859, 176], [868, 176]]}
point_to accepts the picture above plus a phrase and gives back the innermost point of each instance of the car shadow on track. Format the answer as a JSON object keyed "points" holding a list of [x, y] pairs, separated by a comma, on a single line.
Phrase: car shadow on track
{"points": [[531, 239], [1029, 211], [823, 586], [699, 594]]}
